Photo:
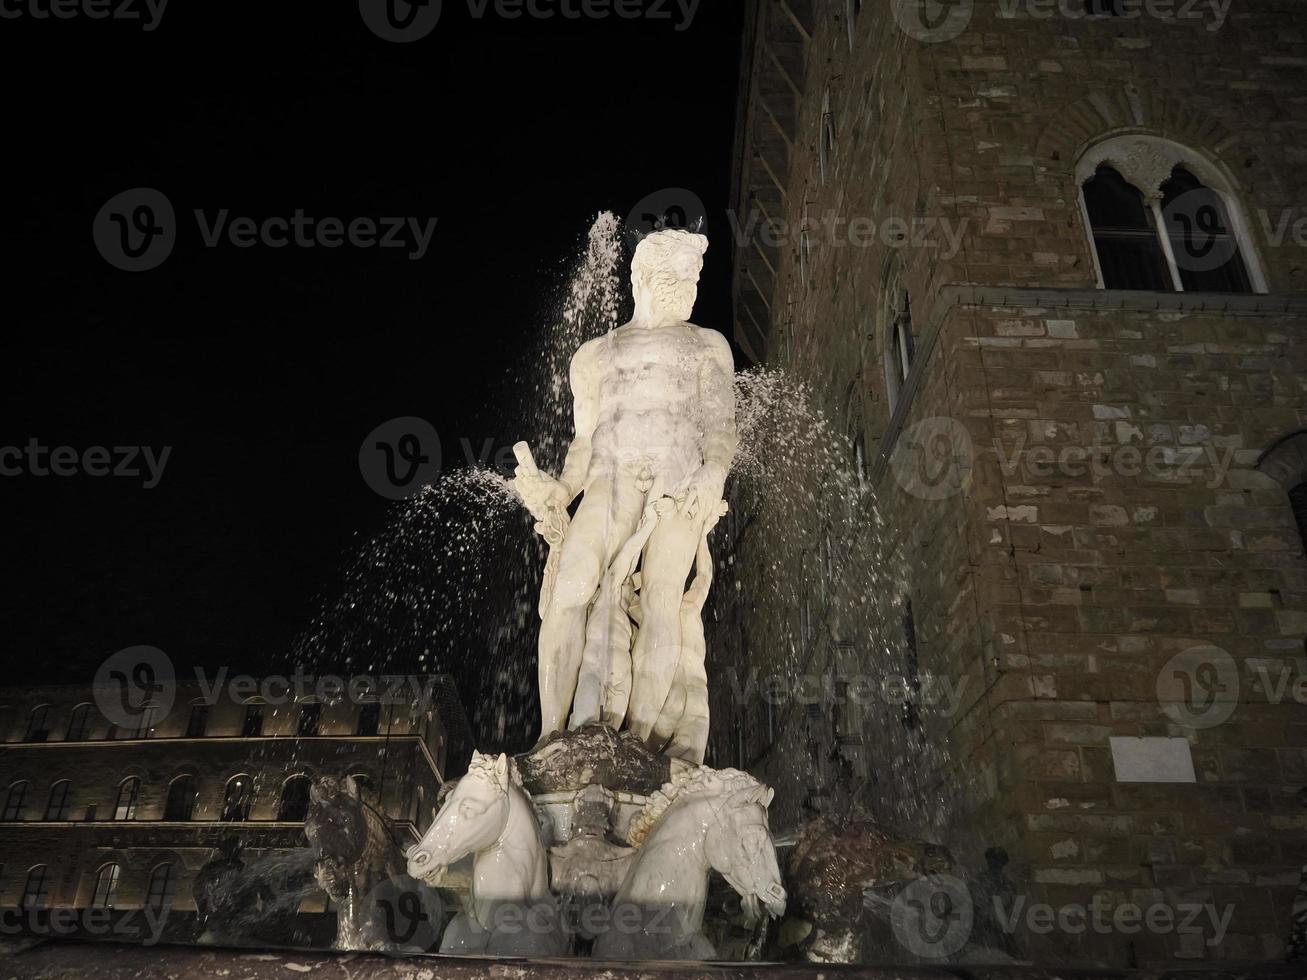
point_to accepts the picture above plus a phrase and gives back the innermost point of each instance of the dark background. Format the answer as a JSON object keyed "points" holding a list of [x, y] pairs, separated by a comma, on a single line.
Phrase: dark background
{"points": [[264, 369]]}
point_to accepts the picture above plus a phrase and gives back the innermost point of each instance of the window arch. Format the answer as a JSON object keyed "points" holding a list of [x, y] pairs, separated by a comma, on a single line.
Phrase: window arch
{"points": [[38, 724], [79, 723], [36, 891], [106, 884], [369, 718], [180, 804], [129, 790], [238, 797], [197, 725], [16, 801], [1285, 462], [1163, 217], [364, 784], [60, 801], [252, 723], [310, 720], [149, 717], [163, 887], [895, 322], [294, 799]]}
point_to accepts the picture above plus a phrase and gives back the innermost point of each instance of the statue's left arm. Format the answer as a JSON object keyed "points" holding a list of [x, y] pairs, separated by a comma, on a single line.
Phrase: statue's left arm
{"points": [[717, 405]]}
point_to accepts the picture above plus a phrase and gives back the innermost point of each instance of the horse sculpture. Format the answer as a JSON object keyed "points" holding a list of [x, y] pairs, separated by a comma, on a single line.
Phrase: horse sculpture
{"points": [[509, 910], [702, 820], [356, 854]]}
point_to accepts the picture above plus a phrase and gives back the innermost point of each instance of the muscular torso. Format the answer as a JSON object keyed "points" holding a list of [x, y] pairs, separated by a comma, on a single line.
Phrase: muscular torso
{"points": [[648, 398]]}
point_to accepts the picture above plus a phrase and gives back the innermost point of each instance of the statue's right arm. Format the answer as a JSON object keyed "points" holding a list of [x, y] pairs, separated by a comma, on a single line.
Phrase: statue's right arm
{"points": [[585, 412]]}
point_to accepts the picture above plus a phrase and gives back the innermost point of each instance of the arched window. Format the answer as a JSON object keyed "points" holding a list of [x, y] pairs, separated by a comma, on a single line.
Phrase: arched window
{"points": [[239, 795], [252, 725], [36, 892], [181, 799], [38, 724], [163, 888], [125, 806], [294, 800], [364, 783], [1206, 251], [370, 718], [60, 801], [106, 883], [1164, 218], [146, 722], [310, 718], [16, 801], [79, 723], [896, 328], [198, 723], [1125, 234], [1298, 500]]}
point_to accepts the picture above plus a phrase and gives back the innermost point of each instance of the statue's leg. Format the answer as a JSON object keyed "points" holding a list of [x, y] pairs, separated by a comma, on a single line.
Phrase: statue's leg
{"points": [[608, 629], [667, 561], [603, 520], [691, 738]]}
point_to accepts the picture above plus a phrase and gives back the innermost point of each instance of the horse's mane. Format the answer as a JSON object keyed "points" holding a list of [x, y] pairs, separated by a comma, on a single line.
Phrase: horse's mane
{"points": [[484, 765], [687, 782]]}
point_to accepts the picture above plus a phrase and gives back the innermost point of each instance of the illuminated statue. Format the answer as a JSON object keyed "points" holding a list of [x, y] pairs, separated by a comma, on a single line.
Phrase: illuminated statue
{"points": [[655, 432]]}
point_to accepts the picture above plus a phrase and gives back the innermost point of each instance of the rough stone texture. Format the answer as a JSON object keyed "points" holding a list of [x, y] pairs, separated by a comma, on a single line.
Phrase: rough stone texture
{"points": [[592, 754], [1055, 596]]}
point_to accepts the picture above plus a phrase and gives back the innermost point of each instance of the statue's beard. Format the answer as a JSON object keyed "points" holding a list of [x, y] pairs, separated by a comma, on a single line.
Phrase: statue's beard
{"points": [[671, 295]]}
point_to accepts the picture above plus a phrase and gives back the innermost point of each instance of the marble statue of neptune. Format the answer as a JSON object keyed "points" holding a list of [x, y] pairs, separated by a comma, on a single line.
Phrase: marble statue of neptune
{"points": [[621, 640]]}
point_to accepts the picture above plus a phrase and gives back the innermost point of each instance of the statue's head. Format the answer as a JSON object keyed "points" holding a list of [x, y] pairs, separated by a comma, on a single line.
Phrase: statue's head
{"points": [[665, 274], [471, 818], [336, 825]]}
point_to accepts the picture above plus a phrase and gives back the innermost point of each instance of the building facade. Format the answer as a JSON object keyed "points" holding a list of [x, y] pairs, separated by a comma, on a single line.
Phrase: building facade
{"points": [[123, 816], [1046, 266]]}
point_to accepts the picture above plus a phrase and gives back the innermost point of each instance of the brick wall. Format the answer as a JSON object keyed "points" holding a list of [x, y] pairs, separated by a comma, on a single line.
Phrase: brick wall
{"points": [[1053, 597]]}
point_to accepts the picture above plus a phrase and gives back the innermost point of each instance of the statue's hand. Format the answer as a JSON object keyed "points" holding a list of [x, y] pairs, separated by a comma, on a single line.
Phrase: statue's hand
{"points": [[541, 493], [704, 493]]}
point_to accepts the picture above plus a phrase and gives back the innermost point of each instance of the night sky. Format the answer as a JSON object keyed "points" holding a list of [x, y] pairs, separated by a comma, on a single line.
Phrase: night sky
{"points": [[264, 369]]}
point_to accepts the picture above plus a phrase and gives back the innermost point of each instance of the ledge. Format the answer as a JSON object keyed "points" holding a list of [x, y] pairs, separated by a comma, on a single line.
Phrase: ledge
{"points": [[57, 960]]}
